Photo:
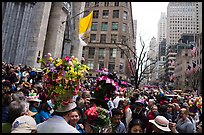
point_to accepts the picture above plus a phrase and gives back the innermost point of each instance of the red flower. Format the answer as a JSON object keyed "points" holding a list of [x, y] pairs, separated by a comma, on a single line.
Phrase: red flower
{"points": [[65, 103], [91, 113]]}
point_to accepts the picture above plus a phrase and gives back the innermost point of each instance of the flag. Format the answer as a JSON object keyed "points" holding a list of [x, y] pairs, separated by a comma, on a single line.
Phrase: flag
{"points": [[192, 49], [84, 28], [195, 67], [172, 63], [188, 70]]}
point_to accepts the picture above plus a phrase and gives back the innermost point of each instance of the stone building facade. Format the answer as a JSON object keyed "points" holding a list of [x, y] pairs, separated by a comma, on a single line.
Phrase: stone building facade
{"points": [[111, 37], [32, 29]]}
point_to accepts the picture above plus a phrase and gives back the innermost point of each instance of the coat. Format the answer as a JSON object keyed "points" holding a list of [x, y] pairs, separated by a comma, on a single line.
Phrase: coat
{"points": [[56, 124]]}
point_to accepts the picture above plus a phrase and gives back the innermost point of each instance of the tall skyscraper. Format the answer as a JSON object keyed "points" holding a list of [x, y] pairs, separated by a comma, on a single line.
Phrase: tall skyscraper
{"points": [[162, 27], [111, 38], [182, 18]]}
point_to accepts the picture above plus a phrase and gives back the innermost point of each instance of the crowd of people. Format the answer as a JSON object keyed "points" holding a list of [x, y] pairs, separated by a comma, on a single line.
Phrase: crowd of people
{"points": [[28, 108]]}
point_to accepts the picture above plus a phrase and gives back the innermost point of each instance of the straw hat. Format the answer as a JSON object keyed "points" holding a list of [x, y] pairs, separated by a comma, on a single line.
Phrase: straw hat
{"points": [[162, 123]]}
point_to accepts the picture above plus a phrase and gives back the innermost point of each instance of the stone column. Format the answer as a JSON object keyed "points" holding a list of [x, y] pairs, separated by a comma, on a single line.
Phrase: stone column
{"points": [[17, 20], [5, 31], [41, 12], [55, 32]]}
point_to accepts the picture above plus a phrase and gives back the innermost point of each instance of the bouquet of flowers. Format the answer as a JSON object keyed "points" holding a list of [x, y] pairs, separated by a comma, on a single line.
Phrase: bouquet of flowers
{"points": [[62, 77], [98, 118]]}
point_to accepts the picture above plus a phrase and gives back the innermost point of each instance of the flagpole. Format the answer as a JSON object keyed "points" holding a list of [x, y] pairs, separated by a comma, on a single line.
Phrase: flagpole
{"points": [[79, 13]]}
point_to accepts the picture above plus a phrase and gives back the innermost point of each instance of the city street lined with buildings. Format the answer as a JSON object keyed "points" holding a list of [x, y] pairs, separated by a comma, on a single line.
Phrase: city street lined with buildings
{"points": [[88, 67]]}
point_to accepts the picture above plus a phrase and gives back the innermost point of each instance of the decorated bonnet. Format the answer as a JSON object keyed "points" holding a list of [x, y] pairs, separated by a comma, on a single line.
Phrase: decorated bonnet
{"points": [[61, 80]]}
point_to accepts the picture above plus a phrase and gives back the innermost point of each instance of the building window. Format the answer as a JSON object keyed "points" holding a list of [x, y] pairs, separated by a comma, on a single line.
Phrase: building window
{"points": [[94, 26], [91, 52], [125, 15], [106, 4], [90, 64], [111, 67], [87, 4], [115, 26], [100, 64], [113, 38], [103, 38], [116, 4], [124, 28], [104, 26], [124, 40], [95, 13], [122, 54], [96, 4], [101, 53], [105, 13], [115, 13], [113, 52], [93, 38], [121, 67]]}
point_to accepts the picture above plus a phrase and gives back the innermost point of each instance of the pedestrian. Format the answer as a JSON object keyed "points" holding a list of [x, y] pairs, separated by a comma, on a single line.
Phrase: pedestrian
{"points": [[150, 116], [184, 125], [74, 117], [59, 121], [135, 126], [117, 125]]}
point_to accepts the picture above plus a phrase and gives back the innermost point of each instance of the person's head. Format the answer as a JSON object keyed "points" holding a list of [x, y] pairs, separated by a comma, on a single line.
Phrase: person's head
{"points": [[135, 126], [154, 109], [24, 124], [162, 109], [80, 102], [86, 94], [151, 102], [183, 113], [16, 109], [121, 104], [74, 116], [45, 107], [170, 108], [65, 110], [160, 124], [116, 116], [18, 96]]}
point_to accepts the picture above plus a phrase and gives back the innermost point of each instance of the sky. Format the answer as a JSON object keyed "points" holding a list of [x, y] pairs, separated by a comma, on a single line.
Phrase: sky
{"points": [[147, 15]]}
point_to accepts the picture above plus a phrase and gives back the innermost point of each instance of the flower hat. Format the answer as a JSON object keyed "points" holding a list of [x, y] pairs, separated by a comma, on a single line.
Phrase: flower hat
{"points": [[97, 117], [33, 97], [61, 79]]}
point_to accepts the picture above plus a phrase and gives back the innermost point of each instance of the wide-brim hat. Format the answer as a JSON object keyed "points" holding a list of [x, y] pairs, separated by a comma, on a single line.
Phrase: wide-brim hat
{"points": [[162, 123], [66, 108]]}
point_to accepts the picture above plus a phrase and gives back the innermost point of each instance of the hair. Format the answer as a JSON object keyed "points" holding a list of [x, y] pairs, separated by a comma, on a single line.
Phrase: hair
{"points": [[18, 96], [134, 122], [44, 106], [162, 109], [16, 109], [116, 112]]}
